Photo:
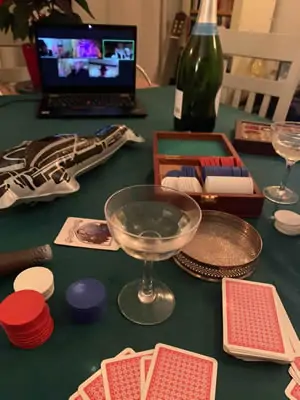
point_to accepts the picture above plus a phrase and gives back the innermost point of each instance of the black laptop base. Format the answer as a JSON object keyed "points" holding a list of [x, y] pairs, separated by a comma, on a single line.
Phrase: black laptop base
{"points": [[48, 110]]}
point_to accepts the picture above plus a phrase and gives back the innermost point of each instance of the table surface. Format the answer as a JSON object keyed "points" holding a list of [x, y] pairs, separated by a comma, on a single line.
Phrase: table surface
{"points": [[55, 370]]}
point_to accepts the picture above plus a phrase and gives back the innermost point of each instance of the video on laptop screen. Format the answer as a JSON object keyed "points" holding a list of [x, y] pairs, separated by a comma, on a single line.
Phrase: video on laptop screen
{"points": [[87, 56]]}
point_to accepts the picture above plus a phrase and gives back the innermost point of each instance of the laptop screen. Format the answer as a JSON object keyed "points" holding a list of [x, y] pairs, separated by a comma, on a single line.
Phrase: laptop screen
{"points": [[87, 58]]}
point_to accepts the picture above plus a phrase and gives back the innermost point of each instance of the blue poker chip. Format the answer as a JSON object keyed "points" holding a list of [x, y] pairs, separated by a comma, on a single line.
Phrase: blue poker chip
{"points": [[226, 171], [219, 171], [209, 171], [174, 173], [244, 172], [236, 171], [188, 171], [87, 300]]}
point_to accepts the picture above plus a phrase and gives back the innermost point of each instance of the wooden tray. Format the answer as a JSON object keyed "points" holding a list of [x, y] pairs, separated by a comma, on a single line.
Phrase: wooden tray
{"points": [[253, 138], [171, 150]]}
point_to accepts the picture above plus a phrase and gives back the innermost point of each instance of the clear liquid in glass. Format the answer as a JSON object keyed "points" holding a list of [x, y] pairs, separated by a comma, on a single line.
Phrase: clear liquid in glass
{"points": [[151, 230]]}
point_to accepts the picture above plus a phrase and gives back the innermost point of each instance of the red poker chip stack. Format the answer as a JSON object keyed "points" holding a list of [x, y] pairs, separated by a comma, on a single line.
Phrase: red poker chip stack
{"points": [[26, 319]]}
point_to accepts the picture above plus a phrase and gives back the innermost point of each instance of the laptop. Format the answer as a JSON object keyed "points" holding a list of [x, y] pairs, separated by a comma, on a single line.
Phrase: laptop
{"points": [[87, 71]]}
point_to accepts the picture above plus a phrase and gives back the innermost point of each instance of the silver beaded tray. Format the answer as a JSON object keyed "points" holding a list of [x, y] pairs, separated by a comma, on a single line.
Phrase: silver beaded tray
{"points": [[224, 246]]}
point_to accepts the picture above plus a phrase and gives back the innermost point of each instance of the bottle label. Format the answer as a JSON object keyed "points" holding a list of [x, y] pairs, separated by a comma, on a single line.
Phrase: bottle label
{"points": [[205, 29], [178, 104], [217, 100]]}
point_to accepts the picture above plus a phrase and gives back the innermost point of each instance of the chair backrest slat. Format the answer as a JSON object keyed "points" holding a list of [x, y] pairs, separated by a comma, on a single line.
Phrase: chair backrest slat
{"points": [[262, 46], [250, 102]]}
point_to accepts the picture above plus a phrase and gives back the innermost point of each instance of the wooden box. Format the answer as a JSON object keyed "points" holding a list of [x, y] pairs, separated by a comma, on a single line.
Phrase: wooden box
{"points": [[253, 138], [172, 150]]}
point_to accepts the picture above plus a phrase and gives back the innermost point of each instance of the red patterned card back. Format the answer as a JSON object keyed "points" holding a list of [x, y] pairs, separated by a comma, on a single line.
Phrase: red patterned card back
{"points": [[252, 318]]}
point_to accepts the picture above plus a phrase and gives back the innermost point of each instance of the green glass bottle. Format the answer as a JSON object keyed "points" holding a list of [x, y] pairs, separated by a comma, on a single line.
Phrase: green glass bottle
{"points": [[200, 74]]}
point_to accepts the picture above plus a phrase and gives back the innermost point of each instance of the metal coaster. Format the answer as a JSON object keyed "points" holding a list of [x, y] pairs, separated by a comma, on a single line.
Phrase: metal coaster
{"points": [[224, 246], [210, 273]]}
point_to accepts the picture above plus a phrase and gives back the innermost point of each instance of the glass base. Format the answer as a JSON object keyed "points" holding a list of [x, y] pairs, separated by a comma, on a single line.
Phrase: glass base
{"points": [[286, 196], [151, 313]]}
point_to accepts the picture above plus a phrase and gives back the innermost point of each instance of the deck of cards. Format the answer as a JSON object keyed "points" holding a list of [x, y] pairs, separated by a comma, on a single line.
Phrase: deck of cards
{"points": [[293, 389], [256, 326], [88, 233], [166, 372]]}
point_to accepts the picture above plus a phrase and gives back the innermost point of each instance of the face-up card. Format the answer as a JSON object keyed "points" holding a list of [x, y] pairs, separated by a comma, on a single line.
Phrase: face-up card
{"points": [[251, 321], [92, 388], [293, 391], [75, 396], [145, 365], [177, 374], [88, 233], [121, 377]]}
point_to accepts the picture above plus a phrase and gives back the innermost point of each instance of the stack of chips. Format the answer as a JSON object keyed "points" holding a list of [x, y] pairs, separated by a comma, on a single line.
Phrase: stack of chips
{"points": [[26, 319], [184, 180], [36, 278], [287, 222], [224, 171], [220, 162], [86, 300], [224, 175]]}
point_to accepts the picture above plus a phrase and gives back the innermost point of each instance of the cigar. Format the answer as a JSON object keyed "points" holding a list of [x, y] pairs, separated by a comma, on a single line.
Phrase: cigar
{"points": [[16, 261]]}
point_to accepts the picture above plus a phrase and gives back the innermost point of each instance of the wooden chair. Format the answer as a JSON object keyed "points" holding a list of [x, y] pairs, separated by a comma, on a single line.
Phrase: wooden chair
{"points": [[12, 67], [264, 46], [143, 80]]}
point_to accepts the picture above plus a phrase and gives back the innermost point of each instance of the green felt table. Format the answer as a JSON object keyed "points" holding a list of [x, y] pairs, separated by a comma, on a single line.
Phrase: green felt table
{"points": [[55, 370]]}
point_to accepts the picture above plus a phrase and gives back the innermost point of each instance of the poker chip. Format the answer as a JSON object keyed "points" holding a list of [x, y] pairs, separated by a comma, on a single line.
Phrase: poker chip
{"points": [[171, 182], [173, 173], [183, 180], [244, 172], [224, 171], [26, 320], [86, 300], [287, 222], [238, 162], [39, 279], [227, 161], [287, 217], [236, 171], [286, 231]]}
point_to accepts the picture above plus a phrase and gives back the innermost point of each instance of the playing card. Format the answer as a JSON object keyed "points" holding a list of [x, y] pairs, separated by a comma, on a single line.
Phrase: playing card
{"points": [[75, 396], [293, 391], [88, 233], [121, 377], [177, 374], [92, 388], [251, 321], [288, 327], [145, 365], [295, 366], [294, 375]]}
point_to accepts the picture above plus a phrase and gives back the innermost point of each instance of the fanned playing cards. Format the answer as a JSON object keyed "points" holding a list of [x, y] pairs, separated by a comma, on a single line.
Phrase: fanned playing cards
{"points": [[165, 372]]}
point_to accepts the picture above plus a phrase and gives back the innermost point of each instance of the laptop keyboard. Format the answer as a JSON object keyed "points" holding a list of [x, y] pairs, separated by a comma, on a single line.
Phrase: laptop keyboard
{"points": [[90, 100]]}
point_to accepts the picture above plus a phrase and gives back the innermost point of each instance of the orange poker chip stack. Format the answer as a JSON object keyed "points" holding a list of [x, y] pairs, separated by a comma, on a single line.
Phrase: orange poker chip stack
{"points": [[26, 319]]}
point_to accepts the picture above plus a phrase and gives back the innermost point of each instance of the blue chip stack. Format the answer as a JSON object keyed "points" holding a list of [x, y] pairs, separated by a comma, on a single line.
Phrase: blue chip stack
{"points": [[86, 300], [224, 171]]}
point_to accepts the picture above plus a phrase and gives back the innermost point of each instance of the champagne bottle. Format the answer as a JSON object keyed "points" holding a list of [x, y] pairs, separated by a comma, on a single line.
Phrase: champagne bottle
{"points": [[200, 74]]}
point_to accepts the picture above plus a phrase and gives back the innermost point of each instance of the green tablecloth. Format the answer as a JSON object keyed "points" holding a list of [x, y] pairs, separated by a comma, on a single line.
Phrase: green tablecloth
{"points": [[56, 369]]}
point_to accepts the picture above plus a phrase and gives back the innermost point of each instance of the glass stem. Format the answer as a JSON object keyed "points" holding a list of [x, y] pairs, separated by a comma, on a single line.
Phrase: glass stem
{"points": [[284, 181], [146, 293]]}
